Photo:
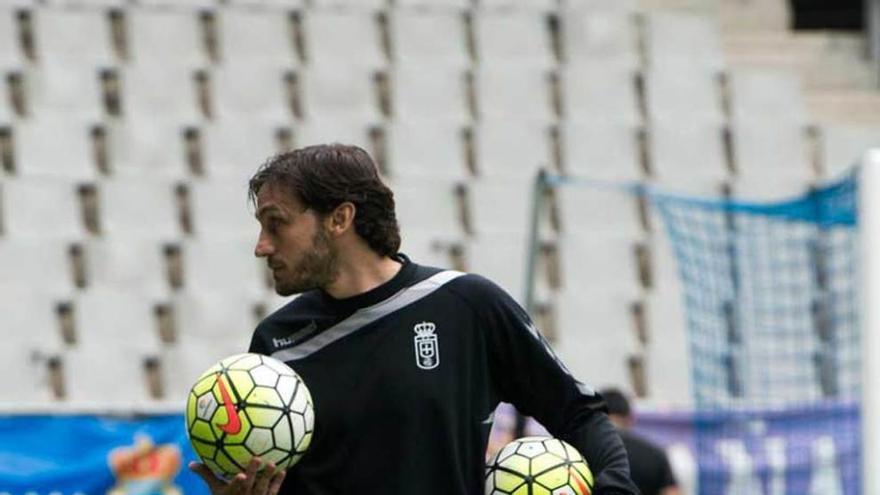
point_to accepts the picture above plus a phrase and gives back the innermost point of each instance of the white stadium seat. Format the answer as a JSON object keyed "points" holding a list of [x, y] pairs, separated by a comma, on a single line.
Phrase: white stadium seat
{"points": [[256, 36], [41, 208], [668, 372], [768, 151], [678, 93], [29, 319], [184, 362], [595, 93], [429, 93], [165, 37], [434, 5], [73, 36], [766, 95], [134, 267], [512, 150], [139, 209], [407, 145], [105, 377], [425, 248], [843, 146], [60, 91], [673, 38], [415, 35], [11, 55], [354, 132], [221, 210], [604, 151], [224, 319], [228, 265], [688, 157], [113, 317], [27, 379], [591, 261], [335, 38], [518, 37], [329, 94], [71, 155], [235, 149], [146, 149], [519, 92], [169, 94], [598, 209], [501, 258], [602, 38], [427, 206], [499, 207], [42, 263], [252, 91]]}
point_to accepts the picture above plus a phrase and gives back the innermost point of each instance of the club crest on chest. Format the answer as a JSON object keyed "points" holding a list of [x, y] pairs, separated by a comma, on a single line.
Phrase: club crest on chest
{"points": [[427, 347]]}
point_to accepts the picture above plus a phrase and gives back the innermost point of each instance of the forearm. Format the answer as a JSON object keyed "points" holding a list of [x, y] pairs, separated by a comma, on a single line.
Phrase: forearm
{"points": [[597, 439]]}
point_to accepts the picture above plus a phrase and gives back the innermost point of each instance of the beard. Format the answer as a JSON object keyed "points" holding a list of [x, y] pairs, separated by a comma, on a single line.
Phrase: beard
{"points": [[316, 269]]}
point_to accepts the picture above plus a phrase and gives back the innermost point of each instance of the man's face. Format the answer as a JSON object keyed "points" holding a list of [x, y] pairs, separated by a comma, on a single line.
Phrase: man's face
{"points": [[294, 242]]}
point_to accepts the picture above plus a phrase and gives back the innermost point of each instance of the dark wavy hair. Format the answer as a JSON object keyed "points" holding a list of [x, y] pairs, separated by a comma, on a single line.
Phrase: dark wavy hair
{"points": [[324, 176]]}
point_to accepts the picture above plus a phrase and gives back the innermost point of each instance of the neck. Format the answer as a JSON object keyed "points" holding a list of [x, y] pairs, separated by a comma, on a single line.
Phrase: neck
{"points": [[361, 272]]}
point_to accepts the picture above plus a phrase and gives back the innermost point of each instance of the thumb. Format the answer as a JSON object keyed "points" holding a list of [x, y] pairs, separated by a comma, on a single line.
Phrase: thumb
{"points": [[206, 474]]}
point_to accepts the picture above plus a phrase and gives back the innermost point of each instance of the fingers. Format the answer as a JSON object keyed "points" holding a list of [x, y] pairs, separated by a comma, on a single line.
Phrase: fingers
{"points": [[206, 474], [262, 484], [277, 480], [250, 474]]}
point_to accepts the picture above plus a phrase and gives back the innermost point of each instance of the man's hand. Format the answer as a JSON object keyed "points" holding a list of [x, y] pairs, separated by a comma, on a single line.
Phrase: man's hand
{"points": [[251, 482]]}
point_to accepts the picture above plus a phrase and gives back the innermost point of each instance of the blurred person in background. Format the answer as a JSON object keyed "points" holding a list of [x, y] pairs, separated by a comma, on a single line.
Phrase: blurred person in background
{"points": [[405, 363], [648, 464]]}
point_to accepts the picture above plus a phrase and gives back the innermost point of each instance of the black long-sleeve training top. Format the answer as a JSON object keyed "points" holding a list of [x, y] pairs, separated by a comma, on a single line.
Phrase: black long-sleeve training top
{"points": [[405, 378]]}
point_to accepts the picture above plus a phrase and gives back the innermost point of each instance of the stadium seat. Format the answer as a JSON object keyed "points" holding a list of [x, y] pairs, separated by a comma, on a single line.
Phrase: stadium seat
{"points": [[168, 94], [512, 150], [58, 91], [71, 155], [519, 37], [584, 319], [351, 5], [27, 384], [843, 146], [26, 261], [113, 317], [427, 207], [521, 92], [287, 4], [28, 316], [766, 95], [221, 210], [355, 132], [415, 35], [603, 151], [42, 209], [223, 322], [429, 93], [11, 55], [235, 149], [329, 94], [599, 94], [182, 363], [688, 157], [499, 207], [600, 38], [138, 209], [674, 38], [667, 350], [227, 265], [335, 38], [521, 5], [425, 249], [167, 38], [769, 152], [683, 93], [598, 209], [256, 37], [146, 149], [80, 37], [595, 260], [131, 267], [101, 377], [407, 145], [434, 5], [236, 96], [502, 258]]}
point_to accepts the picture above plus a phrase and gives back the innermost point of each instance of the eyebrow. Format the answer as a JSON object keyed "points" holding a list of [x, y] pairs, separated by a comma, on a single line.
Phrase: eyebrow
{"points": [[267, 209]]}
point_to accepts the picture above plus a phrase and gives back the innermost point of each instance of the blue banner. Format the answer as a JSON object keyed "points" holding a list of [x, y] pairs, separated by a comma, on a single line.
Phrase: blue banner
{"points": [[68, 455]]}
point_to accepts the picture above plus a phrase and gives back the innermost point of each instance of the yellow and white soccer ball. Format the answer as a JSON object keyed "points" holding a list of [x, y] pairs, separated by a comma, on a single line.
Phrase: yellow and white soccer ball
{"points": [[249, 405], [538, 466]]}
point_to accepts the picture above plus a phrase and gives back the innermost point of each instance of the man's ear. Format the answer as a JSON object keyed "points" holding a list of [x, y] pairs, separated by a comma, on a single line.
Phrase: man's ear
{"points": [[342, 218]]}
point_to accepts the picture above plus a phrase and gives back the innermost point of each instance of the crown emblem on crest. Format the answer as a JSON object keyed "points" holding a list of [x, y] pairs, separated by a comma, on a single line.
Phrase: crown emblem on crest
{"points": [[425, 328]]}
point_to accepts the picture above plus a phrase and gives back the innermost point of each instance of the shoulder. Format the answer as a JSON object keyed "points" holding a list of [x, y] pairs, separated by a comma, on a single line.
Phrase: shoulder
{"points": [[476, 287], [303, 305]]}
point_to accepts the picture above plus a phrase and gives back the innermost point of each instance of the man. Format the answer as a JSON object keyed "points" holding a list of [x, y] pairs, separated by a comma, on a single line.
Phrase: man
{"points": [[405, 363], [649, 466]]}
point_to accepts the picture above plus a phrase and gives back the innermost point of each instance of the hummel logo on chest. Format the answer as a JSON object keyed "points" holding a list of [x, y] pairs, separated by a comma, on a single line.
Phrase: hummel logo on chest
{"points": [[295, 336]]}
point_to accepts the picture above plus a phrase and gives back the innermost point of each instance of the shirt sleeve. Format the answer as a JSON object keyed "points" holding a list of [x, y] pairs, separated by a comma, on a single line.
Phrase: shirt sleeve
{"points": [[527, 373]]}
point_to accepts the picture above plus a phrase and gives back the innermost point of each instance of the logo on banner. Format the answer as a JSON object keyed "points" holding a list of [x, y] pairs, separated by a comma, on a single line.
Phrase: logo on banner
{"points": [[426, 346], [145, 465]]}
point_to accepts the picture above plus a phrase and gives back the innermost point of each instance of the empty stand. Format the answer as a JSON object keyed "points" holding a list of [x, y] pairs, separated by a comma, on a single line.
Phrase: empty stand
{"points": [[235, 94], [766, 95], [429, 93], [513, 150], [498, 207], [683, 38], [70, 156], [94, 377], [68, 92], [683, 93], [329, 94], [132, 267], [593, 93], [230, 266], [165, 38], [256, 37], [688, 156], [601, 209], [609, 261], [170, 94], [515, 36], [42, 208], [233, 150], [147, 149], [343, 38], [73, 36], [221, 210], [605, 151], [415, 35], [605, 38], [407, 144], [428, 207], [11, 55], [507, 92], [116, 318], [501, 258], [137, 209], [843, 146], [43, 263]]}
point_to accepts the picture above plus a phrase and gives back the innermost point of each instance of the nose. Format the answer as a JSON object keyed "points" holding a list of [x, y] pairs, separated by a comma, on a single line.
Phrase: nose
{"points": [[264, 246]]}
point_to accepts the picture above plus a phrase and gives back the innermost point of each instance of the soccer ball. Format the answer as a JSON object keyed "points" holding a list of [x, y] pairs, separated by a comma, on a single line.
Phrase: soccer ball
{"points": [[249, 405], [538, 466]]}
